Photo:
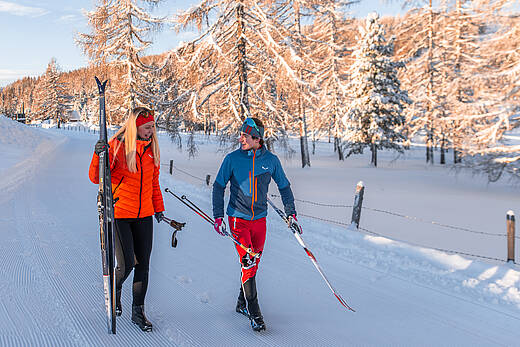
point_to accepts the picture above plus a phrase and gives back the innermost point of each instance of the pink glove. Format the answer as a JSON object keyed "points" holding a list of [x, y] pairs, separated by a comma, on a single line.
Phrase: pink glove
{"points": [[220, 226]]}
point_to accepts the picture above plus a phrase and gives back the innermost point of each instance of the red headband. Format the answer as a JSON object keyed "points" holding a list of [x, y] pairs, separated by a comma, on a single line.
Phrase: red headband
{"points": [[143, 118]]}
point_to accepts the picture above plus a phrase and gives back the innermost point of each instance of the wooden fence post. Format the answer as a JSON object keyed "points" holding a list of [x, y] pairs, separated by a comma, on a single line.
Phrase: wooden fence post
{"points": [[208, 177], [510, 236], [171, 167], [358, 203]]}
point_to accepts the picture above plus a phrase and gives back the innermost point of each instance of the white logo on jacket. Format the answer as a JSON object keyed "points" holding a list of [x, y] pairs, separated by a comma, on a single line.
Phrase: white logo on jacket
{"points": [[265, 168]]}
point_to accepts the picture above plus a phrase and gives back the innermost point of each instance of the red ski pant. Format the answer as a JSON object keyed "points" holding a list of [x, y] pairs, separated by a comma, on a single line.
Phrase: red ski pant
{"points": [[250, 233]]}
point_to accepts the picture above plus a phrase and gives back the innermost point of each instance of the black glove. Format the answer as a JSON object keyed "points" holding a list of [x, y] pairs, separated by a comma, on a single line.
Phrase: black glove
{"points": [[159, 216], [100, 147]]}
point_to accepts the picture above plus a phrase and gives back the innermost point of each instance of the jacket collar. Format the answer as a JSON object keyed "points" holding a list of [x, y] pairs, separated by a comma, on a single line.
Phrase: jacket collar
{"points": [[141, 146], [251, 152]]}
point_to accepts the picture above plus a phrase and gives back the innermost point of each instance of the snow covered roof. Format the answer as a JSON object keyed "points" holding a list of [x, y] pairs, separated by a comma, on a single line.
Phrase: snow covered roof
{"points": [[74, 115]]}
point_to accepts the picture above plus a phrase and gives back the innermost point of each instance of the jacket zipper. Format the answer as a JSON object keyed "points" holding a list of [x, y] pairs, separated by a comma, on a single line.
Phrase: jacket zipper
{"points": [[141, 184], [120, 181], [254, 188]]}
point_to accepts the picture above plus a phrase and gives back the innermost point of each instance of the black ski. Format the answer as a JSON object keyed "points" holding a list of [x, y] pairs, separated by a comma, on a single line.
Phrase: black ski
{"points": [[106, 217]]}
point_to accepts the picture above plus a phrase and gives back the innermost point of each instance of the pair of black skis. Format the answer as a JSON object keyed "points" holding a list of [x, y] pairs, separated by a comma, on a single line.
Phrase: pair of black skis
{"points": [[105, 206]]}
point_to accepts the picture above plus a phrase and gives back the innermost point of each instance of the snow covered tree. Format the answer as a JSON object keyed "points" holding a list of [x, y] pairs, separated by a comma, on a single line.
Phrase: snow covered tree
{"points": [[166, 94], [421, 52], [120, 33], [375, 117], [247, 54], [331, 67], [460, 66], [491, 152], [51, 100]]}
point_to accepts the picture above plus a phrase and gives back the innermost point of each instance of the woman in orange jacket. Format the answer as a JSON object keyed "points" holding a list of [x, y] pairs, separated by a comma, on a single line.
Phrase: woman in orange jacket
{"points": [[134, 164]]}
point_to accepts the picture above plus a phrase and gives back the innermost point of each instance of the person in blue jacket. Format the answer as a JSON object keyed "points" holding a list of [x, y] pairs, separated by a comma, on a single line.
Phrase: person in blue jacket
{"points": [[250, 169]]}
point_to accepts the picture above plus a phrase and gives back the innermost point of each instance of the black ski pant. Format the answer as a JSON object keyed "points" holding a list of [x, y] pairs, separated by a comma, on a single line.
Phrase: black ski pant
{"points": [[134, 238]]}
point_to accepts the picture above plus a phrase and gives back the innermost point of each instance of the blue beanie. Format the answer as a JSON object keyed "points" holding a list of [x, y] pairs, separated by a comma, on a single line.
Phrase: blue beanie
{"points": [[249, 127]]}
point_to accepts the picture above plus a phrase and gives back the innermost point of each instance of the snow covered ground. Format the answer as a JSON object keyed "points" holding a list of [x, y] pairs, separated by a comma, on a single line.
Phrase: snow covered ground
{"points": [[50, 279]]}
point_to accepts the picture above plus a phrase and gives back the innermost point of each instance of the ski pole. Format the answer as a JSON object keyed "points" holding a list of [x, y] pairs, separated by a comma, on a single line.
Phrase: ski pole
{"points": [[177, 226], [196, 207], [203, 216], [296, 230], [211, 221]]}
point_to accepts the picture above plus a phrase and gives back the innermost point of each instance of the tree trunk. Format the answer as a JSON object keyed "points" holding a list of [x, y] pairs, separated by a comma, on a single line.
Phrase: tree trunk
{"points": [[429, 148], [430, 70], [242, 68], [443, 159], [306, 160], [304, 146], [373, 149], [337, 146]]}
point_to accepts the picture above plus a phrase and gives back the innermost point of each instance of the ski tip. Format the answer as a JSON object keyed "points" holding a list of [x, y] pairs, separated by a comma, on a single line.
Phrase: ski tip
{"points": [[340, 299], [101, 85]]}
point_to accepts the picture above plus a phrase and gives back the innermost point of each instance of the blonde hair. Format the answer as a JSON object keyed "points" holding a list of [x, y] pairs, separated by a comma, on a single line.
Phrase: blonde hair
{"points": [[129, 132]]}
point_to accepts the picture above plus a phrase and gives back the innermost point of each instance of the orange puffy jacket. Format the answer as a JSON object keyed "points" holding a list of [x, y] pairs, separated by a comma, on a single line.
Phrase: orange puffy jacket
{"points": [[139, 194]]}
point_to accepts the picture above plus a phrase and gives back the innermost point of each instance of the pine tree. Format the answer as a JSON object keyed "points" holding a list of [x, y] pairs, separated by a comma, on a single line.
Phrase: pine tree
{"points": [[51, 97], [375, 117]]}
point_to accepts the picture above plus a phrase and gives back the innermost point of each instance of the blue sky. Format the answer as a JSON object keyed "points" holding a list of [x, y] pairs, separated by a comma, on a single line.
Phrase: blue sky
{"points": [[32, 32]]}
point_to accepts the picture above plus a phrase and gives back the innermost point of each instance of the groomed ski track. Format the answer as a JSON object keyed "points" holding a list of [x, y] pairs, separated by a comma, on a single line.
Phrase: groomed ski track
{"points": [[52, 292]]}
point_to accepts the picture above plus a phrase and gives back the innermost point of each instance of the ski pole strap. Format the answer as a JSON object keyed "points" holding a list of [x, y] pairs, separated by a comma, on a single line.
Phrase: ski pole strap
{"points": [[174, 224]]}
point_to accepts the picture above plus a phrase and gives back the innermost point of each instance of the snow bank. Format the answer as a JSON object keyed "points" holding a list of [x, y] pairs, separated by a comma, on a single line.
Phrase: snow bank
{"points": [[25, 149]]}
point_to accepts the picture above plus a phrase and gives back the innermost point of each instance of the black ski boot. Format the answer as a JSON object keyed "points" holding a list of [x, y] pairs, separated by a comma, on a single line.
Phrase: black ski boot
{"points": [[139, 318], [119, 309], [257, 321], [241, 304]]}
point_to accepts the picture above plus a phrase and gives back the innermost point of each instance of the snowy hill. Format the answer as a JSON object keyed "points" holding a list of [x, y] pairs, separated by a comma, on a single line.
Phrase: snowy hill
{"points": [[51, 285]]}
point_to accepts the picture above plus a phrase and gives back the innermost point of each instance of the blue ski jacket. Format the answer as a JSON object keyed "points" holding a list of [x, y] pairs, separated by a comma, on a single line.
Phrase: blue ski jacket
{"points": [[250, 173]]}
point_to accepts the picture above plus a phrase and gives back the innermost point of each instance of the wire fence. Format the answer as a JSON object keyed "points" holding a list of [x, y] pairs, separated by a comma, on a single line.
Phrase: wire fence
{"points": [[395, 214], [78, 128], [400, 215], [187, 173]]}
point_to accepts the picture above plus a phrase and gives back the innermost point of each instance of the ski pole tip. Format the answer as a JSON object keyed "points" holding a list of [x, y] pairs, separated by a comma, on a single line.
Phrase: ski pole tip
{"points": [[166, 190]]}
